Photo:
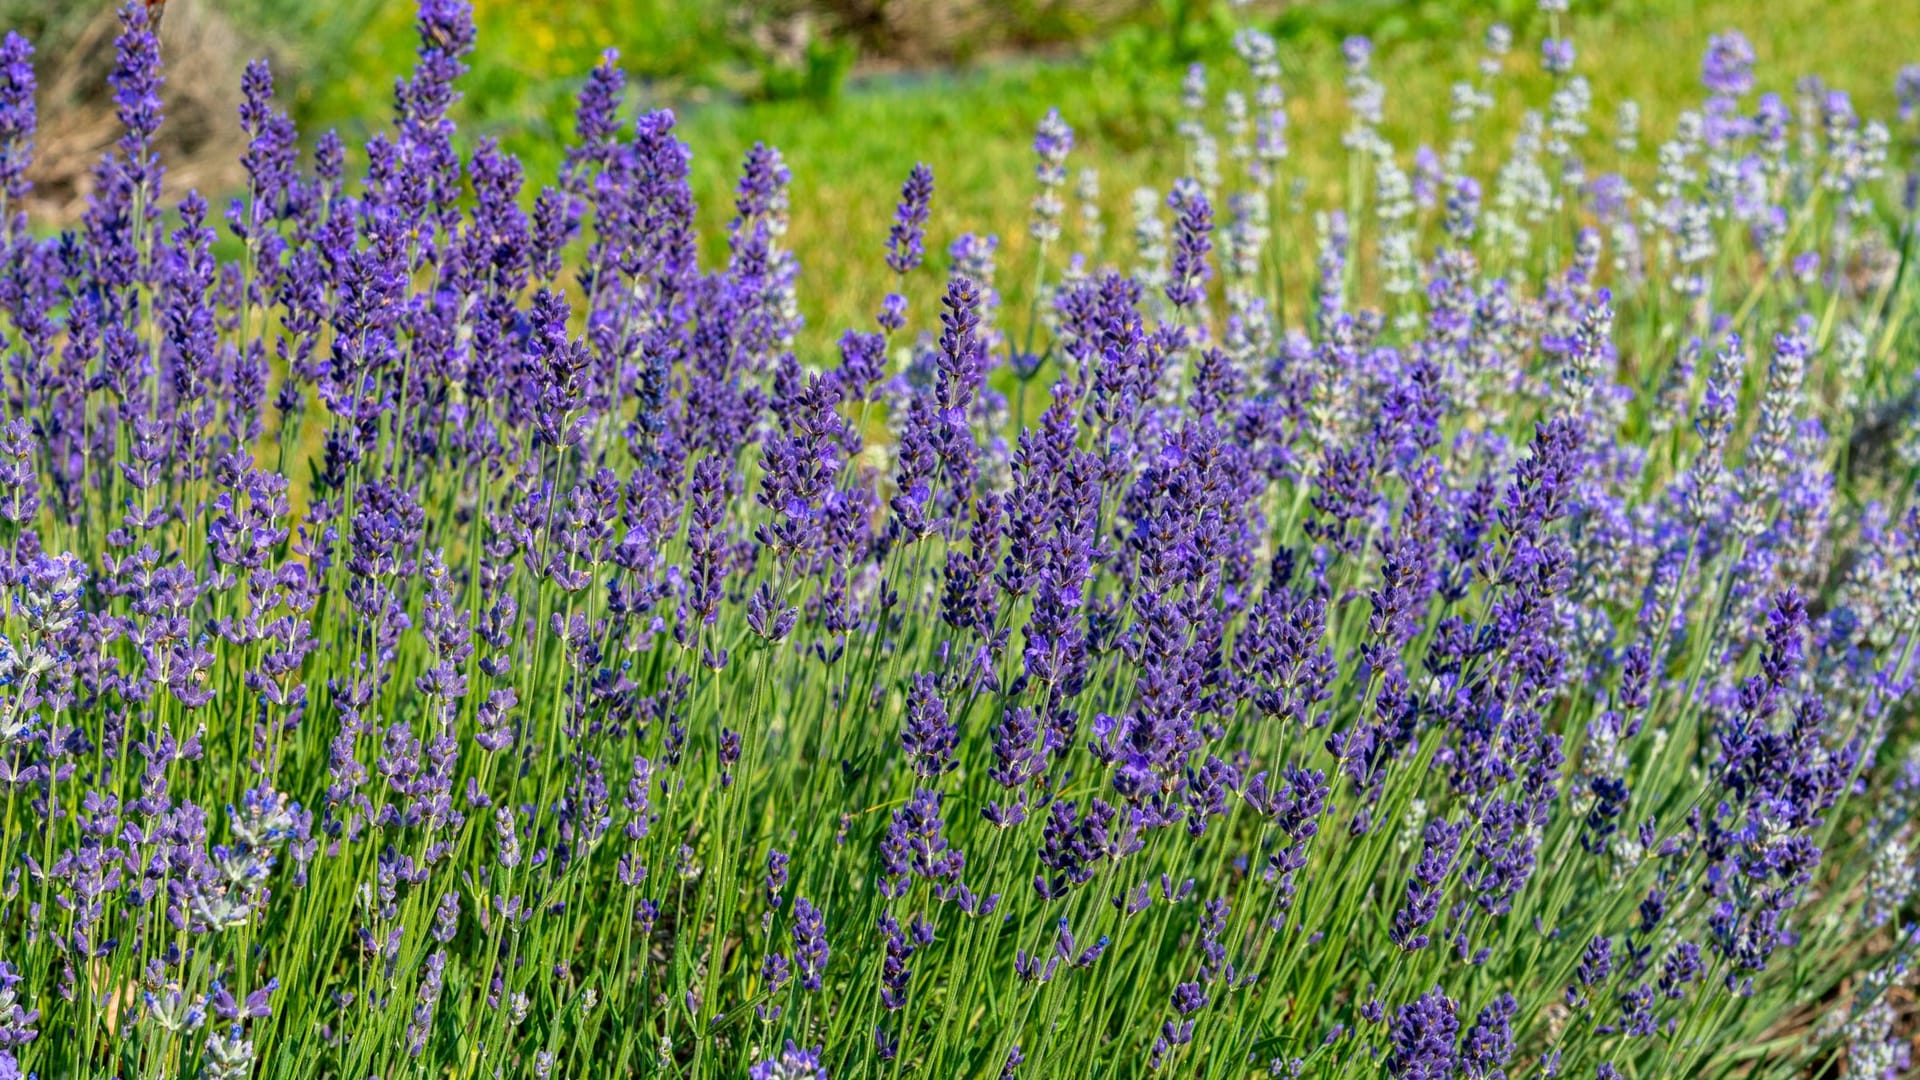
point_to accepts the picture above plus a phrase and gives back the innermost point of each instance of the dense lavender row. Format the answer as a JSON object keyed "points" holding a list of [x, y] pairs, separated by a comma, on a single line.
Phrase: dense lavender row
{"points": [[459, 637]]}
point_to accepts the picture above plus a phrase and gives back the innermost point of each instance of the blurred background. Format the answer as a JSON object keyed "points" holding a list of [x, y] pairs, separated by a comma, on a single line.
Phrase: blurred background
{"points": [[853, 92]]}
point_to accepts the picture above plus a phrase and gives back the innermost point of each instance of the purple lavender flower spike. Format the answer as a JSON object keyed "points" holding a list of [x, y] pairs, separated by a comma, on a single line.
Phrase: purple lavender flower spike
{"points": [[906, 240], [1423, 1039], [792, 1063]]}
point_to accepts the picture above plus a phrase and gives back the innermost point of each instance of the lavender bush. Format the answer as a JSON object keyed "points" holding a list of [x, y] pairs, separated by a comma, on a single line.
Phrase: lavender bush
{"points": [[457, 636]]}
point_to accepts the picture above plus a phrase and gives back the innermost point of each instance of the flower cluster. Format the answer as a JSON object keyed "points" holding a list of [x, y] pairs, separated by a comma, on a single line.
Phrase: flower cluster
{"points": [[1463, 628]]}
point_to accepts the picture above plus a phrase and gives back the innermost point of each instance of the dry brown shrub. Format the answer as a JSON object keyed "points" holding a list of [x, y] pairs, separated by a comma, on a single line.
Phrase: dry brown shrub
{"points": [[203, 55], [943, 31]]}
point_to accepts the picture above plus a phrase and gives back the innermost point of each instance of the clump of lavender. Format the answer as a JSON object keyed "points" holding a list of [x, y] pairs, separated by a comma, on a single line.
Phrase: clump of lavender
{"points": [[1454, 624]]}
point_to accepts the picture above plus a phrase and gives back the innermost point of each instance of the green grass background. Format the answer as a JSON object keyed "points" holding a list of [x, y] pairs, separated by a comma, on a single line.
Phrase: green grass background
{"points": [[850, 144], [974, 127]]}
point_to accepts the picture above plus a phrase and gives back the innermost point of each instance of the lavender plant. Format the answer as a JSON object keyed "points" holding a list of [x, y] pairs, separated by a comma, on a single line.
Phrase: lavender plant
{"points": [[459, 636]]}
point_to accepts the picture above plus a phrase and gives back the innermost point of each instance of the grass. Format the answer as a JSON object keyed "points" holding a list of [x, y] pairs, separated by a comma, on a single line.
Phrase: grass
{"points": [[974, 127]]}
